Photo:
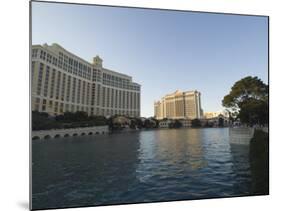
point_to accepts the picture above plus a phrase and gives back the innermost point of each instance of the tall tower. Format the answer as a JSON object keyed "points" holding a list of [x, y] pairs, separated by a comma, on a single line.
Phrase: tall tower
{"points": [[97, 61]]}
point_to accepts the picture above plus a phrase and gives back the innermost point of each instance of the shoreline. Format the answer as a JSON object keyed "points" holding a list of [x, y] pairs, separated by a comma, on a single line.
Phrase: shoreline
{"points": [[99, 130]]}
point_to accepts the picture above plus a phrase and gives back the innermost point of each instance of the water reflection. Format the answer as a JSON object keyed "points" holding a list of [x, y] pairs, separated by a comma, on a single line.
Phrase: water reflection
{"points": [[156, 165], [241, 167], [80, 171]]}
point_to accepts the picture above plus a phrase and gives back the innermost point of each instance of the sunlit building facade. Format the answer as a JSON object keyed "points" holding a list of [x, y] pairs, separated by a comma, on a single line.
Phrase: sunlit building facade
{"points": [[179, 105], [209, 115], [63, 82]]}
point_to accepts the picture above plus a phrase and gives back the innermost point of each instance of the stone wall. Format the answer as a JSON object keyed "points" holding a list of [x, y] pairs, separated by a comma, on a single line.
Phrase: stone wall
{"points": [[241, 135], [46, 134]]}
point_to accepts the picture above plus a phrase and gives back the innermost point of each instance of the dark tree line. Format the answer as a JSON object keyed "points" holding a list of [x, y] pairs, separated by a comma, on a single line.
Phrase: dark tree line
{"points": [[43, 121], [248, 101]]}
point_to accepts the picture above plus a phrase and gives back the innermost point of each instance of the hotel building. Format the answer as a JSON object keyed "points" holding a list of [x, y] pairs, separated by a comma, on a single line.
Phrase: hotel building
{"points": [[62, 81], [179, 105]]}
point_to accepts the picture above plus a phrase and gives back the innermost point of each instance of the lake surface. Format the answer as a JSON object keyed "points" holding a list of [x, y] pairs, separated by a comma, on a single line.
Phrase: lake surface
{"points": [[144, 166]]}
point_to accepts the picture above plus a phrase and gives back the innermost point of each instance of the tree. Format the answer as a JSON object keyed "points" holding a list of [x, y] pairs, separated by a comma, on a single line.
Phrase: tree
{"points": [[139, 123], [148, 123], [221, 122], [248, 100], [177, 124], [133, 124], [195, 123]]}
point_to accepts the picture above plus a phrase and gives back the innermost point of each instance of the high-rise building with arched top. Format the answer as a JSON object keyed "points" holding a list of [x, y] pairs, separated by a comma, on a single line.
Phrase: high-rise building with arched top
{"points": [[179, 105], [62, 81]]}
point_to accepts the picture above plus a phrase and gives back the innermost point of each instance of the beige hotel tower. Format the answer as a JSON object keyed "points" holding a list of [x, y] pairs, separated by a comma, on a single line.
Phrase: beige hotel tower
{"points": [[179, 105], [62, 81]]}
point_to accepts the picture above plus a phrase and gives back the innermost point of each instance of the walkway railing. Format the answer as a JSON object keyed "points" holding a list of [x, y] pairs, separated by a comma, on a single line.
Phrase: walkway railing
{"points": [[56, 133]]}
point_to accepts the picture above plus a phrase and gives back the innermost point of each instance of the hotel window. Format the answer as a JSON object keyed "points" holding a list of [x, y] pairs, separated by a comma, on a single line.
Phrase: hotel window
{"points": [[60, 60], [93, 93], [63, 86], [138, 100], [53, 83], [75, 65], [40, 74], [98, 95], [83, 92], [94, 75], [70, 61], [68, 88], [116, 98], [65, 62], [84, 71], [34, 53], [50, 104], [55, 61], [112, 97], [88, 93], [32, 70], [42, 55], [46, 81], [49, 58], [58, 85], [89, 73], [73, 90], [79, 69], [103, 96], [78, 91], [133, 104], [131, 100], [128, 100], [124, 104], [70, 65], [56, 106], [107, 96], [120, 98]]}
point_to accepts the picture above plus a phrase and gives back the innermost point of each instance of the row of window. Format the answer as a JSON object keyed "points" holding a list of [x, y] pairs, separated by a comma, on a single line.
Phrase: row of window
{"points": [[56, 107], [57, 83], [110, 112], [119, 99], [77, 68], [64, 62], [60, 86], [121, 85], [172, 109]]}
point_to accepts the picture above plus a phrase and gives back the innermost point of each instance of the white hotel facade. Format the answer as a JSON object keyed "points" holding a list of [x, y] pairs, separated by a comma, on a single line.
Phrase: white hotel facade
{"points": [[179, 105], [62, 81]]}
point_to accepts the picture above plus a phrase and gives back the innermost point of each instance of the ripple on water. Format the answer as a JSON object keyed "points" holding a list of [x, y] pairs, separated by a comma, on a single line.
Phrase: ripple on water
{"points": [[146, 166]]}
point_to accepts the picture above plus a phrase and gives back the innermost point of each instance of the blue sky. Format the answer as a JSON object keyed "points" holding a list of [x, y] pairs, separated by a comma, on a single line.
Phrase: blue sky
{"points": [[162, 50]]}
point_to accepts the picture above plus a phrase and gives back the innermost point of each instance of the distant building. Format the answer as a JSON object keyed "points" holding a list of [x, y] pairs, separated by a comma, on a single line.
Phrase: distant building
{"points": [[185, 122], [63, 82], [165, 123], [216, 121], [179, 105], [209, 115]]}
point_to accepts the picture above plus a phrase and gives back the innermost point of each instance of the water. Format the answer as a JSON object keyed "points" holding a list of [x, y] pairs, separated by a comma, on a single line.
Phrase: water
{"points": [[145, 166]]}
